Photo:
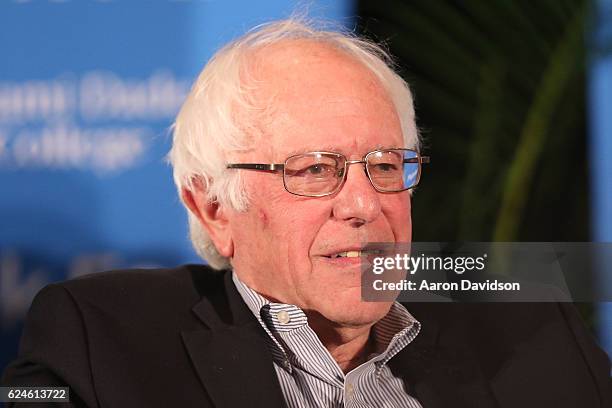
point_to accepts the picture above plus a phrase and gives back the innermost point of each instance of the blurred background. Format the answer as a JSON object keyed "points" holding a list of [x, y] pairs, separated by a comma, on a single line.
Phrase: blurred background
{"points": [[513, 99]]}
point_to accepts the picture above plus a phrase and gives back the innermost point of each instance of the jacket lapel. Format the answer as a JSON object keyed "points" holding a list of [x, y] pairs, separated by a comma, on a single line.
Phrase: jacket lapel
{"points": [[230, 355], [437, 367]]}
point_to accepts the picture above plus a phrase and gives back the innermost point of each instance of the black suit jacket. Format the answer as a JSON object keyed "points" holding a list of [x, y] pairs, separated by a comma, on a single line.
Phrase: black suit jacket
{"points": [[184, 338]]}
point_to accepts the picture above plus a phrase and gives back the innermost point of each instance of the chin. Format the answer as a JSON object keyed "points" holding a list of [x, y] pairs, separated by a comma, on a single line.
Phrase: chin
{"points": [[356, 315]]}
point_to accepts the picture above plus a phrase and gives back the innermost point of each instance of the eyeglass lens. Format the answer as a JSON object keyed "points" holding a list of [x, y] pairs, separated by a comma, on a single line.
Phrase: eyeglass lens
{"points": [[313, 174]]}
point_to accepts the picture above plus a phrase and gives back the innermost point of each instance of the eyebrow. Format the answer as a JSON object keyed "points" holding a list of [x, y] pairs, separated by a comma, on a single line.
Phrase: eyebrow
{"points": [[324, 148], [333, 149]]}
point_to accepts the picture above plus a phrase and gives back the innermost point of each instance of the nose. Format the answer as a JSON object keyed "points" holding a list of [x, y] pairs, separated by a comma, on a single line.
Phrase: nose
{"points": [[357, 201]]}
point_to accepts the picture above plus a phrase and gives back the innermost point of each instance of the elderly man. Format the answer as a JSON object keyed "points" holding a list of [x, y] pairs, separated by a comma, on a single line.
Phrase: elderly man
{"points": [[294, 149]]}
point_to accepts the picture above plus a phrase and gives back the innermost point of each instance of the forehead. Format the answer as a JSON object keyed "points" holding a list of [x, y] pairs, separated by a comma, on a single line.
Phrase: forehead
{"points": [[320, 98]]}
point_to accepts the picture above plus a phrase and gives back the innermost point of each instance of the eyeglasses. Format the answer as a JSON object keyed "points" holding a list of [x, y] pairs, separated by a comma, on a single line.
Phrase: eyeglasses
{"points": [[319, 174]]}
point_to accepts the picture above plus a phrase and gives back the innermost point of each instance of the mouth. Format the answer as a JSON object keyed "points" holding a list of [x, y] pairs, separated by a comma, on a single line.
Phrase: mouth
{"points": [[363, 253]]}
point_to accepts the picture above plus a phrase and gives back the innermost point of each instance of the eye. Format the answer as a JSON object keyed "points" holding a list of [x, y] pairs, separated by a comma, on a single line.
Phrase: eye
{"points": [[385, 167], [317, 169], [314, 167]]}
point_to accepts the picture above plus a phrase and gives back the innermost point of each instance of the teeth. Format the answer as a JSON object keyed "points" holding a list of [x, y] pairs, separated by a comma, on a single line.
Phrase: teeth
{"points": [[348, 254], [355, 254]]}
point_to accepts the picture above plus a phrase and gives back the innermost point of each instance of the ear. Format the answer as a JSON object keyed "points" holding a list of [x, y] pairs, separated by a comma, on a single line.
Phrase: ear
{"points": [[212, 217]]}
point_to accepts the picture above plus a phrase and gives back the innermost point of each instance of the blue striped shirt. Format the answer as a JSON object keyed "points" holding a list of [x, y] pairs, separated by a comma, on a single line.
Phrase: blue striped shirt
{"points": [[308, 374]]}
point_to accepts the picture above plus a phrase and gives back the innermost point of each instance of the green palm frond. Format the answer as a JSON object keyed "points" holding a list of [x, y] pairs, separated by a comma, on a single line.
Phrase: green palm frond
{"points": [[499, 97]]}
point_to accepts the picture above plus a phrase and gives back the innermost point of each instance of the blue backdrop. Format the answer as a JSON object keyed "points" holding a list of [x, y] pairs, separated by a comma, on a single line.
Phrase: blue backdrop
{"points": [[600, 118], [87, 93]]}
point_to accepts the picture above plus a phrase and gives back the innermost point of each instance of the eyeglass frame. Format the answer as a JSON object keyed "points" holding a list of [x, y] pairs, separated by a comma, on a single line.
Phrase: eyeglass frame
{"points": [[276, 167]]}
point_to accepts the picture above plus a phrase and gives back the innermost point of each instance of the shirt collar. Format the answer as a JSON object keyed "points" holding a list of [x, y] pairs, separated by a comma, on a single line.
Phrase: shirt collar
{"points": [[259, 306], [391, 333]]}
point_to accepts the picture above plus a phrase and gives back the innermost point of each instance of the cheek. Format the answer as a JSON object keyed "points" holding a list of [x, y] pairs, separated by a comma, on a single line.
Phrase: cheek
{"points": [[263, 218], [300, 227], [399, 216], [301, 224]]}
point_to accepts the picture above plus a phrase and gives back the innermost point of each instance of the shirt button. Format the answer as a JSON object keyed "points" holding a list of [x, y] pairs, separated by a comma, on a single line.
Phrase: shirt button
{"points": [[349, 390], [283, 317]]}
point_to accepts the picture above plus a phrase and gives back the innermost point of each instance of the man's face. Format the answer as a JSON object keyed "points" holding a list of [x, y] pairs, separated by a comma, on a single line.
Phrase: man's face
{"points": [[322, 101]]}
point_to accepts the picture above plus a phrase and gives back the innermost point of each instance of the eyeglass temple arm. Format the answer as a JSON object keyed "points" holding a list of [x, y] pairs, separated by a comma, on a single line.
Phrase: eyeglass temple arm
{"points": [[256, 166], [421, 159]]}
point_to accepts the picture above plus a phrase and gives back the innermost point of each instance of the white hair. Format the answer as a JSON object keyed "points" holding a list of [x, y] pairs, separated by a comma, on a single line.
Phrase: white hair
{"points": [[206, 128]]}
